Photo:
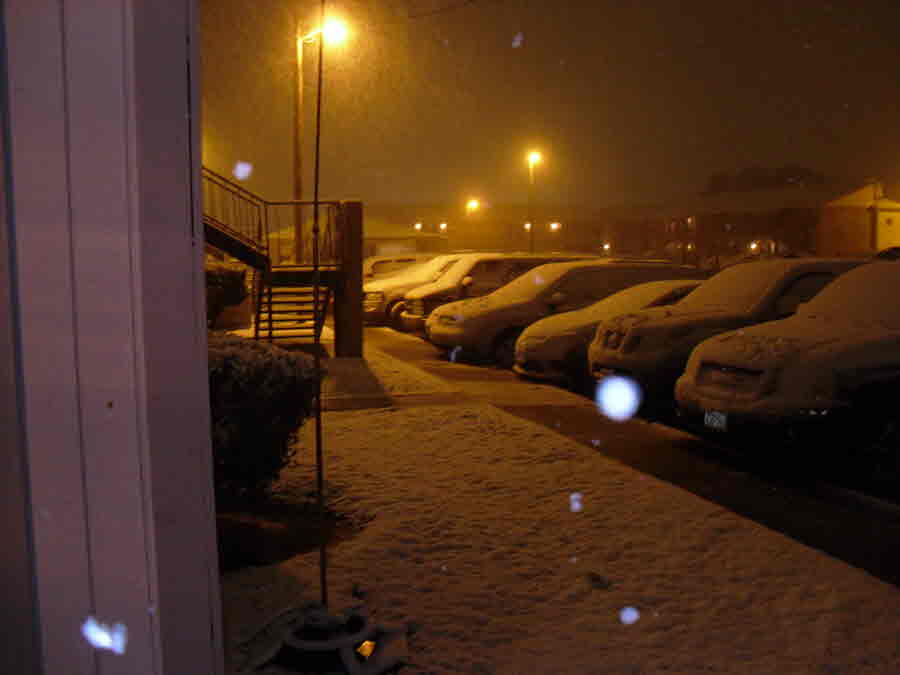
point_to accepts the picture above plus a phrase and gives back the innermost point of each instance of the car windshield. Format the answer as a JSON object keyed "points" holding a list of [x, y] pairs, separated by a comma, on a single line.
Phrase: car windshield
{"points": [[866, 294], [531, 283], [634, 298], [736, 288], [429, 271]]}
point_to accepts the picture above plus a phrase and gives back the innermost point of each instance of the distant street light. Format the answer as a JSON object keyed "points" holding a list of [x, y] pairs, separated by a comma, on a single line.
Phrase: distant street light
{"points": [[606, 247], [534, 158], [554, 227], [418, 226], [473, 205], [443, 227], [527, 227]]}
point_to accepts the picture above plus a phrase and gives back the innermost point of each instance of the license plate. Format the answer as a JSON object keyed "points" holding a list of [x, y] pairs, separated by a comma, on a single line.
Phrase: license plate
{"points": [[715, 420]]}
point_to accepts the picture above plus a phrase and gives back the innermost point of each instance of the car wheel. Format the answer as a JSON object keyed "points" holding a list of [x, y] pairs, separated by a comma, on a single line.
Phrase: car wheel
{"points": [[394, 310], [504, 348]]}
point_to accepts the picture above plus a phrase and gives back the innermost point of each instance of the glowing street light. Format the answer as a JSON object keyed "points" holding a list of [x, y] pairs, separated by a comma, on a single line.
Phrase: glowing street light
{"points": [[606, 247], [473, 205], [527, 227], [443, 227], [334, 32], [534, 158], [418, 227], [554, 227]]}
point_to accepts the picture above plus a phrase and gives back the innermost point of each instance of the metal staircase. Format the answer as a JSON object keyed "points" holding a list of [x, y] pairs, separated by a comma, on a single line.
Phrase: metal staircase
{"points": [[295, 273]]}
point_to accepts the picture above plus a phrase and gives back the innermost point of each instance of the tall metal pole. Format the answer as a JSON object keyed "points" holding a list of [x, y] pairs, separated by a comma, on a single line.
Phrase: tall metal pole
{"points": [[298, 148], [320, 463], [530, 198]]}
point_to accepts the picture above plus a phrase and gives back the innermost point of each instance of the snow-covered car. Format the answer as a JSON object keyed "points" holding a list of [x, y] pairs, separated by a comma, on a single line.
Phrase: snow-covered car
{"points": [[474, 275], [488, 327], [831, 370], [652, 346], [555, 348], [378, 266], [383, 298]]}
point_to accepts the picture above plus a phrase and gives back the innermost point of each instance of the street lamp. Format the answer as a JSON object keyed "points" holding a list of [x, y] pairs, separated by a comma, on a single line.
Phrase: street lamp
{"points": [[554, 227], [443, 227], [473, 205], [418, 227], [333, 32], [534, 158]]}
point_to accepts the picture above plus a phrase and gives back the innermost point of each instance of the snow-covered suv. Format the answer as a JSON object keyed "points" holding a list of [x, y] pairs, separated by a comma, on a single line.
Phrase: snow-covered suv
{"points": [[831, 369], [653, 345]]}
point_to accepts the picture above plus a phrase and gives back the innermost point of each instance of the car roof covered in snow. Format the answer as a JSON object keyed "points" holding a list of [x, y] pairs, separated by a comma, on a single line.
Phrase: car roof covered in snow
{"points": [[744, 286], [865, 294]]}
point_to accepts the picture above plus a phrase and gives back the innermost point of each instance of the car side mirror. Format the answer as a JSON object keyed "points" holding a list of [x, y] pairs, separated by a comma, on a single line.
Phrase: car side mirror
{"points": [[556, 299]]}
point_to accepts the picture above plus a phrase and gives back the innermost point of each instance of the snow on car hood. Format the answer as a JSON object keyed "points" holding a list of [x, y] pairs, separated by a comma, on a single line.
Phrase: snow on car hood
{"points": [[666, 318], [578, 321], [768, 344]]}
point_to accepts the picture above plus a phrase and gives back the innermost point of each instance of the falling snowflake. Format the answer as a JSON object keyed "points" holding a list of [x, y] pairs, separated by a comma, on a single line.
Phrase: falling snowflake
{"points": [[242, 170], [629, 615], [575, 502], [518, 39], [102, 636], [454, 353], [618, 397]]}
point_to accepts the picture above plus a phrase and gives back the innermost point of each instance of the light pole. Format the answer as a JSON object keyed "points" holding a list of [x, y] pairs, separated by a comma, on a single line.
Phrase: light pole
{"points": [[334, 32], [534, 158]]}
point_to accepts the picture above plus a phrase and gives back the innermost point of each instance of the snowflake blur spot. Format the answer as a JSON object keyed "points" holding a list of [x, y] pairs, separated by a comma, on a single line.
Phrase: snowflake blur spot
{"points": [[242, 170], [102, 636], [618, 397], [575, 502], [518, 39], [596, 442], [573, 559], [629, 615], [454, 353]]}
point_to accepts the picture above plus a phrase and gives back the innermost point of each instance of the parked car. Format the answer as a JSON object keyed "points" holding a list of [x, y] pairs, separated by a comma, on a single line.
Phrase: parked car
{"points": [[383, 298], [474, 275], [830, 371], [653, 345], [555, 348], [489, 326], [378, 266]]}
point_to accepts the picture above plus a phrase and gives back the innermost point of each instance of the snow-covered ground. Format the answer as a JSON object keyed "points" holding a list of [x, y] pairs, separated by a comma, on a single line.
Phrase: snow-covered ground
{"points": [[512, 549]]}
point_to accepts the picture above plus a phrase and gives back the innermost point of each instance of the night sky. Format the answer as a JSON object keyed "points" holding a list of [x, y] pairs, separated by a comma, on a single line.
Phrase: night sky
{"points": [[432, 101]]}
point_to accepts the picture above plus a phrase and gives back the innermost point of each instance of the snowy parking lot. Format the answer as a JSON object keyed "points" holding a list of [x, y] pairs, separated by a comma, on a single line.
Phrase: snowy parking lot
{"points": [[510, 548]]}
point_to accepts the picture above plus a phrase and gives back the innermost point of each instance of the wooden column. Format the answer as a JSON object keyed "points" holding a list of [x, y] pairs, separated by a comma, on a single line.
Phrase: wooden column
{"points": [[348, 318]]}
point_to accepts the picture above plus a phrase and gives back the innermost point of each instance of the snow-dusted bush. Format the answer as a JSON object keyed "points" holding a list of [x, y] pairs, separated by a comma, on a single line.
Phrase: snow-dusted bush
{"points": [[260, 395], [225, 286]]}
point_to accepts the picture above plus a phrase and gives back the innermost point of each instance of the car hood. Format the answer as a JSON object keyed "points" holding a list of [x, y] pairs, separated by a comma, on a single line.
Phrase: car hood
{"points": [[391, 283], [771, 343], [425, 290], [667, 318], [578, 321]]}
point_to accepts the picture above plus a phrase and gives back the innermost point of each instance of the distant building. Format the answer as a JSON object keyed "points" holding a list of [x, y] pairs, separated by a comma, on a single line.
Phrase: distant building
{"points": [[858, 223]]}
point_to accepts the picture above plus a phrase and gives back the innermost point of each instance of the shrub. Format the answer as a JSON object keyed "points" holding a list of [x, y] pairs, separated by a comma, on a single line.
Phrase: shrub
{"points": [[225, 286], [260, 395]]}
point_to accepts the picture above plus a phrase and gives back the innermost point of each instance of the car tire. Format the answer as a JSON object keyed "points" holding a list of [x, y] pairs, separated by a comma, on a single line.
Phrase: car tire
{"points": [[503, 350], [393, 312]]}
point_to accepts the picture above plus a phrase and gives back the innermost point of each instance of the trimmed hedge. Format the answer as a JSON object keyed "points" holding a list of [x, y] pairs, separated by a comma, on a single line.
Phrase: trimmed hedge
{"points": [[260, 395]]}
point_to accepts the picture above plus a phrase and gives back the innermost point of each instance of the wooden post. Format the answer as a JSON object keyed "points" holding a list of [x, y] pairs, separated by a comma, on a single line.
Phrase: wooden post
{"points": [[348, 318]]}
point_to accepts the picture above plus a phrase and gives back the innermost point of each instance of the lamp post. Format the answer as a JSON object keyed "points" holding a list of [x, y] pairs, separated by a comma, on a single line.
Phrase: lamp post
{"points": [[534, 158], [333, 32]]}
